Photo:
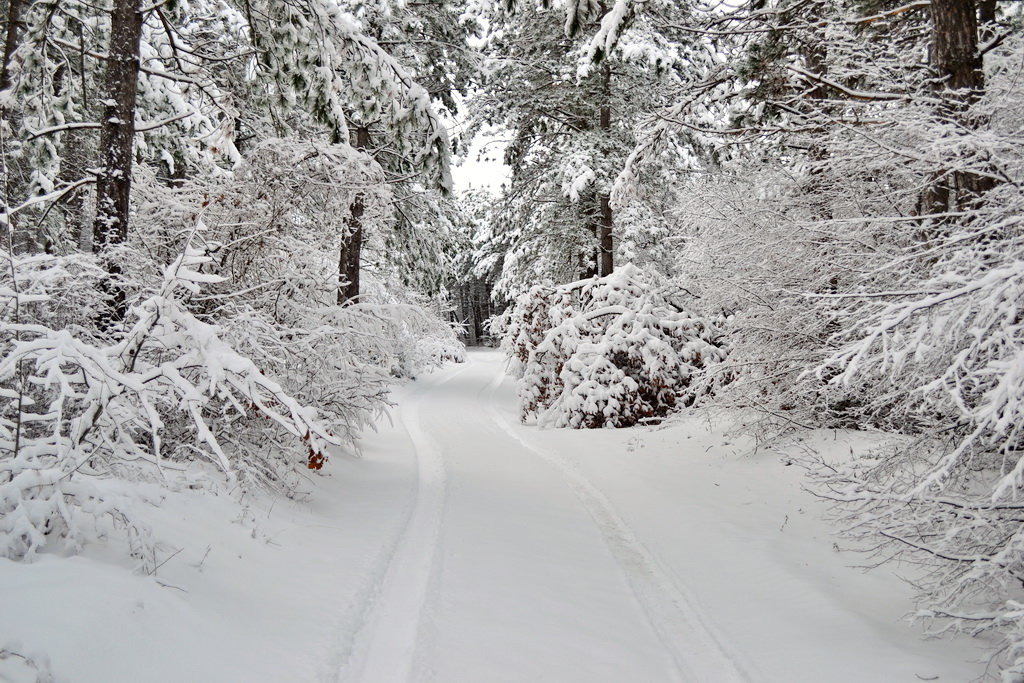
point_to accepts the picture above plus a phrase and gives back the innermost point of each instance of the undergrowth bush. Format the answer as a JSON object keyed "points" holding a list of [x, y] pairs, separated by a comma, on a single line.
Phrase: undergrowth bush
{"points": [[209, 390], [608, 352]]}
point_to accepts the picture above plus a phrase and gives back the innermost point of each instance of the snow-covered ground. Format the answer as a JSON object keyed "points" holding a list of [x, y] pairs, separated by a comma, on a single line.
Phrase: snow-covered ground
{"points": [[465, 547]]}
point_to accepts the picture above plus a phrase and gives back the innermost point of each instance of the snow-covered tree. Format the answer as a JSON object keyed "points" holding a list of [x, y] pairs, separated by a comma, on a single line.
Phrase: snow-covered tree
{"points": [[172, 113], [571, 107]]}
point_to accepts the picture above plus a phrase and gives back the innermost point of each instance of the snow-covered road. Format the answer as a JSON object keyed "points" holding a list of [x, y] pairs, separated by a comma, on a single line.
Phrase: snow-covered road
{"points": [[465, 547], [514, 563], [514, 566]]}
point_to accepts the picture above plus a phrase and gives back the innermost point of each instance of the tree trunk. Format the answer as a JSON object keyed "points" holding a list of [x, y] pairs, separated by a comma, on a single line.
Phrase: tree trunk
{"points": [[469, 314], [815, 55], [481, 307], [352, 244], [117, 136], [74, 163], [605, 242], [960, 81], [349, 255], [605, 228], [14, 26], [955, 59], [11, 38], [589, 262]]}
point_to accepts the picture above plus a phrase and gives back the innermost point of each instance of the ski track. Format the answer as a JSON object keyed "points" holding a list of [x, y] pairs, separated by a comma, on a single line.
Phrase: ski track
{"points": [[391, 611], [697, 651], [383, 650]]}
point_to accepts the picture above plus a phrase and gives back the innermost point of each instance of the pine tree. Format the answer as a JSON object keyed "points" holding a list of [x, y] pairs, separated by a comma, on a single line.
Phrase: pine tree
{"points": [[571, 101]]}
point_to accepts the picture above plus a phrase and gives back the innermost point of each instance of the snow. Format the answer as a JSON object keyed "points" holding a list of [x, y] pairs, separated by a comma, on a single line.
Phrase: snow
{"points": [[464, 546]]}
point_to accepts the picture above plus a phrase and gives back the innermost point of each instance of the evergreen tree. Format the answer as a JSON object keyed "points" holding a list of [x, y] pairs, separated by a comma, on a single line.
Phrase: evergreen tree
{"points": [[572, 108]]}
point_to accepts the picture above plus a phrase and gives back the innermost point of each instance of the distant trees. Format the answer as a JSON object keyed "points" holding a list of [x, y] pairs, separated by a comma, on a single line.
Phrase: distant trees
{"points": [[430, 41], [571, 105], [472, 280]]}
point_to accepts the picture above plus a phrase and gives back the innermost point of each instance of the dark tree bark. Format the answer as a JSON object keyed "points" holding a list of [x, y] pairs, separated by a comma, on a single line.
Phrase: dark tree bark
{"points": [[15, 8], [955, 58], [482, 307], [986, 17], [11, 38], [352, 244], [606, 227], [958, 67], [117, 136], [589, 261], [75, 159], [815, 56], [349, 255], [605, 243]]}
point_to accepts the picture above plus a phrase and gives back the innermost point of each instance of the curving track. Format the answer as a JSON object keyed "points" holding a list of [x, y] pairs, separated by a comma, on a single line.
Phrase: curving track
{"points": [[512, 566]]}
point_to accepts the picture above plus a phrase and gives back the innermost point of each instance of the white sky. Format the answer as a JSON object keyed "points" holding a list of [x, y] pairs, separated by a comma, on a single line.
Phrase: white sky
{"points": [[483, 167]]}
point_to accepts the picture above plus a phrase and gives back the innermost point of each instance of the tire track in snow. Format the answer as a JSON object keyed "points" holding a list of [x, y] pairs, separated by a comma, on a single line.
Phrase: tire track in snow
{"points": [[698, 652], [384, 647]]}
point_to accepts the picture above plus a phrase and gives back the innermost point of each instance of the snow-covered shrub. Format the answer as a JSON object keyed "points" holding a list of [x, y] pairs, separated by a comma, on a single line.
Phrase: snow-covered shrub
{"points": [[608, 352], [220, 356], [279, 222], [419, 336], [523, 326], [80, 410], [945, 354], [758, 261], [861, 302]]}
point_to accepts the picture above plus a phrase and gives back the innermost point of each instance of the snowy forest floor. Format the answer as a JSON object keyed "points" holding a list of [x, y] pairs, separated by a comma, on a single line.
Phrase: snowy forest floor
{"points": [[465, 547]]}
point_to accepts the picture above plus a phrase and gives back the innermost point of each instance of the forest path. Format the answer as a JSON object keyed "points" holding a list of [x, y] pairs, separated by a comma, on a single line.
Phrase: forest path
{"points": [[513, 566], [674, 553]]}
